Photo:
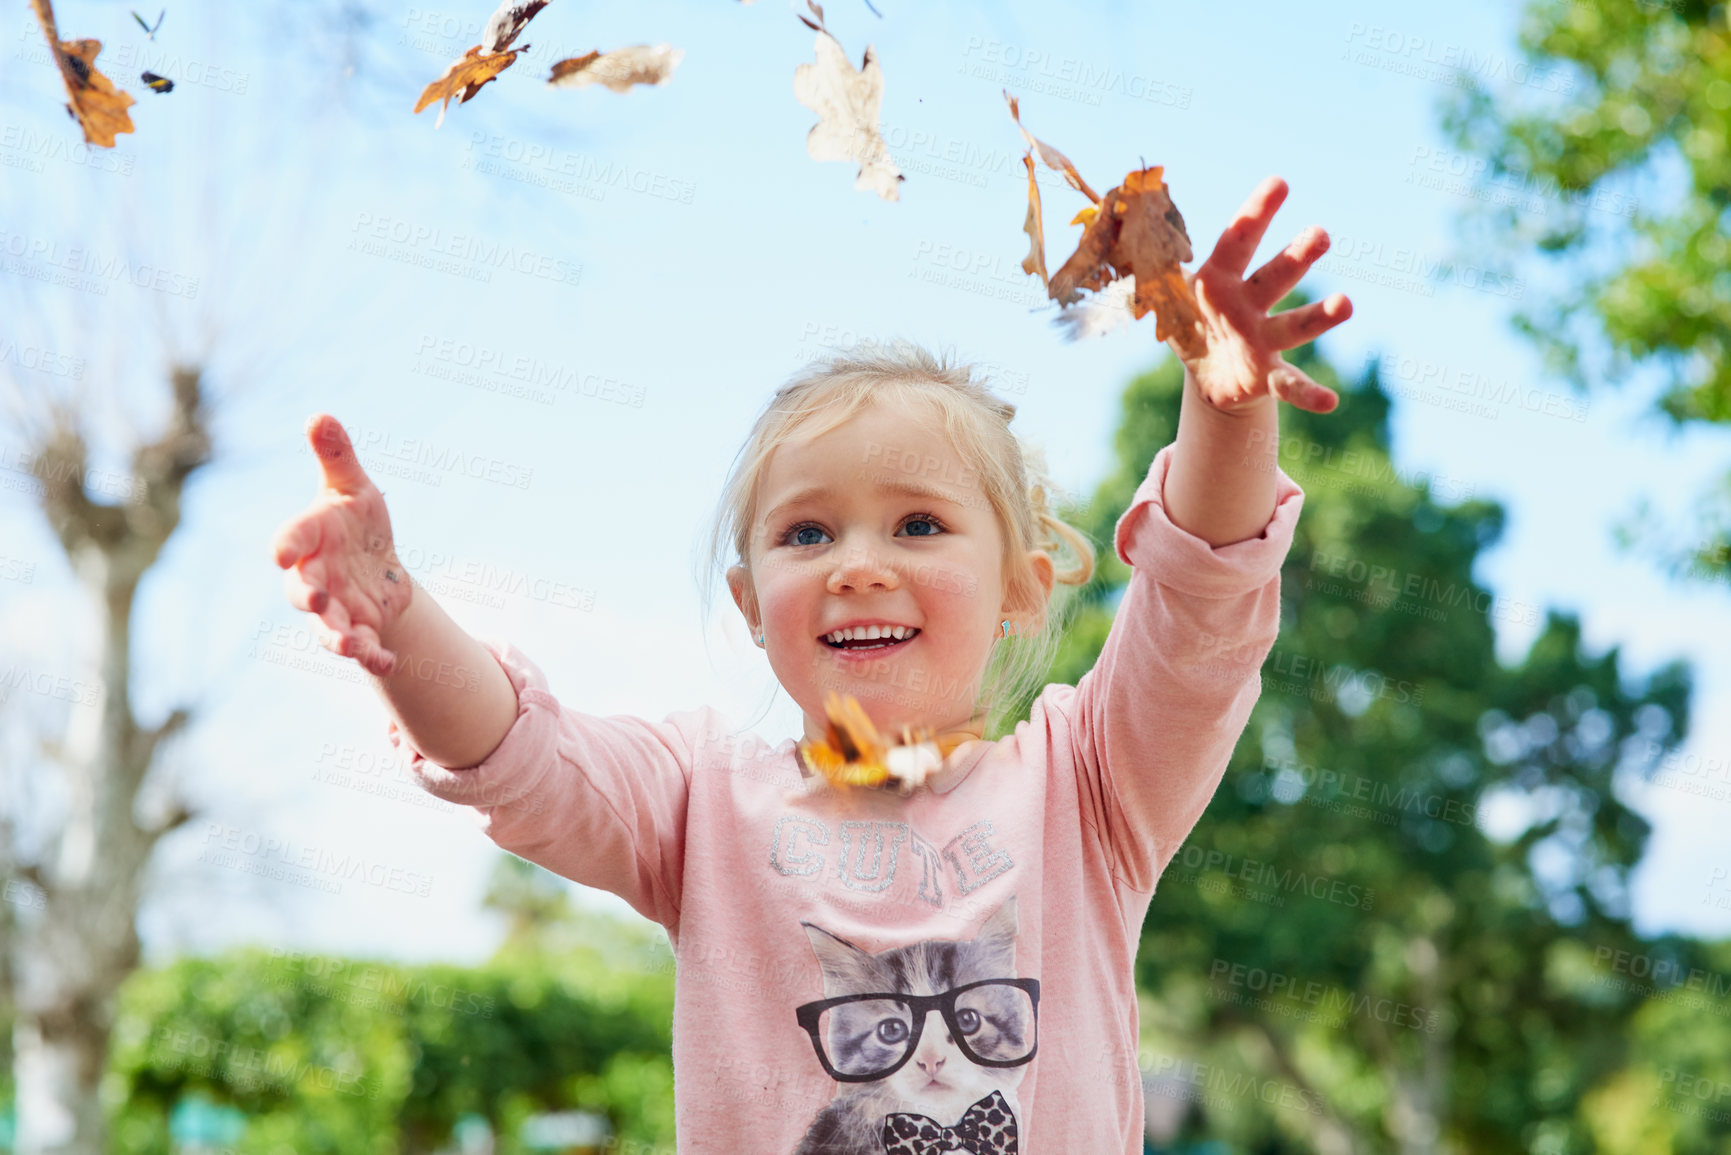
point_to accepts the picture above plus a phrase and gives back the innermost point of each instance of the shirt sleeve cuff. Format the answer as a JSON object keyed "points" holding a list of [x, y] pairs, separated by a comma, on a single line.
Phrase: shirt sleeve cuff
{"points": [[507, 775], [1147, 539]]}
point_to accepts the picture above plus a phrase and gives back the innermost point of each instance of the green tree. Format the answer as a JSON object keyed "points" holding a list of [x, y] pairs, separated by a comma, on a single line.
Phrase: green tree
{"points": [[534, 901], [328, 1054], [1357, 962], [1646, 107]]}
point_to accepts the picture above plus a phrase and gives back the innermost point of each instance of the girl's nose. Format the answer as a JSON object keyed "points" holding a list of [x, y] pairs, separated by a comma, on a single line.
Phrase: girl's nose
{"points": [[858, 569]]}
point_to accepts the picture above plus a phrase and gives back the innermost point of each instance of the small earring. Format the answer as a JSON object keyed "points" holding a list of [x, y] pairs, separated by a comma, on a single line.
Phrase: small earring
{"points": [[1006, 627], [760, 639]]}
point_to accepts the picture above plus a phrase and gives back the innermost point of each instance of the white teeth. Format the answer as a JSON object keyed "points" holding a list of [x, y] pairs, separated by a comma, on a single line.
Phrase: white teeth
{"points": [[870, 633]]}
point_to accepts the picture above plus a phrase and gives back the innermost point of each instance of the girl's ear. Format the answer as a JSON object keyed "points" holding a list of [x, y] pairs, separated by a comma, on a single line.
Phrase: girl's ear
{"points": [[744, 595], [1040, 565]]}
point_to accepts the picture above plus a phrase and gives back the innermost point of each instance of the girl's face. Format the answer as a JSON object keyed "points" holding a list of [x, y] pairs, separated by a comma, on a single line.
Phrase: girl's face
{"points": [[878, 523]]}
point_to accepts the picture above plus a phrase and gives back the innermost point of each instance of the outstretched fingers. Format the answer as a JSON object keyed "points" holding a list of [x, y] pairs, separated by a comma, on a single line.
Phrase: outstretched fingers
{"points": [[298, 539], [1267, 285], [340, 467], [339, 639], [1237, 244], [303, 593], [1307, 322], [342, 634], [1294, 386]]}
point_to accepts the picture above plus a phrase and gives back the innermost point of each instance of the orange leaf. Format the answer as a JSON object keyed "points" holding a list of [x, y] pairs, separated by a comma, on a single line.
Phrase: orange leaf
{"points": [[467, 74], [854, 753], [851, 753], [572, 66], [620, 68], [1139, 232], [1053, 158], [98, 105], [1035, 261]]}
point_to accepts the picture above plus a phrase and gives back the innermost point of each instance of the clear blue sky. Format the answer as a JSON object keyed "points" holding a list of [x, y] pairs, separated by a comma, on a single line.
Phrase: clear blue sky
{"points": [[673, 255]]}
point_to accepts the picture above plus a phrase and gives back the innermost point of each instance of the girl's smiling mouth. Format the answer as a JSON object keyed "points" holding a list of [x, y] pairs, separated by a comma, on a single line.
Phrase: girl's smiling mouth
{"points": [[869, 641]]}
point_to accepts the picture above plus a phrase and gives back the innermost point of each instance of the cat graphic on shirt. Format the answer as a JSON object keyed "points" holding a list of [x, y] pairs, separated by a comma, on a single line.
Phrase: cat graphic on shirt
{"points": [[939, 1086]]}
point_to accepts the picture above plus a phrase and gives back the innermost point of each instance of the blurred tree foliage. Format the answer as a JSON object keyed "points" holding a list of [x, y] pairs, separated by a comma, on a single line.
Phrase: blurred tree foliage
{"points": [[328, 1054], [1630, 166], [1356, 962]]}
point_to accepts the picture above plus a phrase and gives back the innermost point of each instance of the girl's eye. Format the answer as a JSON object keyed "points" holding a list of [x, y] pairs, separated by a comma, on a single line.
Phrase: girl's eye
{"points": [[932, 528]]}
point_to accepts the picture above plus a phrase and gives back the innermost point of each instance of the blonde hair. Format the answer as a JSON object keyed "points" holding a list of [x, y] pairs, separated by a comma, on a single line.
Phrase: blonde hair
{"points": [[831, 390]]}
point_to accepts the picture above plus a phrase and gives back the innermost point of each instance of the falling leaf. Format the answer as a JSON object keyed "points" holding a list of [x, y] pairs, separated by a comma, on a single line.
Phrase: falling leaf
{"points": [[1138, 231], [1035, 261], [619, 69], [507, 22], [486, 60], [98, 106], [156, 83], [847, 104], [1053, 158], [1133, 241], [852, 752], [466, 76]]}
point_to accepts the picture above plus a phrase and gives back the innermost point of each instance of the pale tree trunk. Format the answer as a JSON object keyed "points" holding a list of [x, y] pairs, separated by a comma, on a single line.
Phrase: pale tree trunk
{"points": [[1329, 1133], [1417, 1085], [1418, 1090], [74, 945]]}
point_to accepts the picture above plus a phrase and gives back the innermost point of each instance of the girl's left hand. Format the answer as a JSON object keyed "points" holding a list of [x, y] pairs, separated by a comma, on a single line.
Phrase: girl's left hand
{"points": [[1242, 364]]}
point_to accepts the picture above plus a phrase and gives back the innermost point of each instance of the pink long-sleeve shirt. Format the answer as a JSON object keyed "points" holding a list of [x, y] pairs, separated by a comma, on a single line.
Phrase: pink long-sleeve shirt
{"points": [[1032, 857]]}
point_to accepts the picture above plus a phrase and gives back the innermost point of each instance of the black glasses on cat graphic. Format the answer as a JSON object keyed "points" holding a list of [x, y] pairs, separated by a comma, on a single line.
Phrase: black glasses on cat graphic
{"points": [[859, 1038]]}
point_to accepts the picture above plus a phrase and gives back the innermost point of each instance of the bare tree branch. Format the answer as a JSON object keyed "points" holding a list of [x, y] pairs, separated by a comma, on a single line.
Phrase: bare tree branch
{"points": [[145, 742], [1331, 1133]]}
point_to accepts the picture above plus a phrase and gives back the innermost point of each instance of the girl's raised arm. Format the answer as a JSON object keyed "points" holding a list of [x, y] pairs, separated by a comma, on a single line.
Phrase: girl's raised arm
{"points": [[1221, 487], [1158, 716], [445, 692]]}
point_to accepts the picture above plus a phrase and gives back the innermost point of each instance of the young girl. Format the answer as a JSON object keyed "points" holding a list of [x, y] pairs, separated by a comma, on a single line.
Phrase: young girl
{"points": [[862, 970]]}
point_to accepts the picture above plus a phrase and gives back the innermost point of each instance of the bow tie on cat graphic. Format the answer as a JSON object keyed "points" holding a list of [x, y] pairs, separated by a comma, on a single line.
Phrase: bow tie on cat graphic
{"points": [[986, 1128]]}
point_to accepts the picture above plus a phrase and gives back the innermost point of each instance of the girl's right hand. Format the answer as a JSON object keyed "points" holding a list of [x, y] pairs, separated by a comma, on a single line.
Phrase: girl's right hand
{"points": [[341, 562]]}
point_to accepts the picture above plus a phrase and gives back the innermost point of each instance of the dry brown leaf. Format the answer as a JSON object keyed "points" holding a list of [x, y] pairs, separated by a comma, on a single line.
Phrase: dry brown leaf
{"points": [[619, 69], [1138, 231], [1054, 159], [466, 76], [1133, 242], [854, 752], [98, 105], [847, 104], [486, 60], [1035, 261]]}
